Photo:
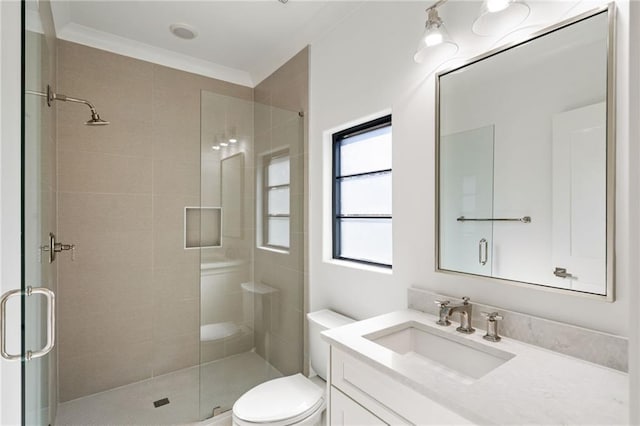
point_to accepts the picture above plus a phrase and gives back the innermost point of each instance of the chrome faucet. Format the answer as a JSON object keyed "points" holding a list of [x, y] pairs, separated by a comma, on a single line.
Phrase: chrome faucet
{"points": [[446, 310]]}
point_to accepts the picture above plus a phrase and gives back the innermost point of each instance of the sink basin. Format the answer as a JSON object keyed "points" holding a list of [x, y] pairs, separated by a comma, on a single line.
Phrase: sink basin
{"points": [[453, 355]]}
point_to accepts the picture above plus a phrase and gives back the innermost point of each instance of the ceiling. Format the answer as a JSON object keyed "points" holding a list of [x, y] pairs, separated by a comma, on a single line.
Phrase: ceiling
{"points": [[244, 41], [238, 41]]}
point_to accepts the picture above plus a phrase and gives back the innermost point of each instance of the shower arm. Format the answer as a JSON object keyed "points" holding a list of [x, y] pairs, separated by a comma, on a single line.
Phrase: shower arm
{"points": [[51, 96], [64, 98]]}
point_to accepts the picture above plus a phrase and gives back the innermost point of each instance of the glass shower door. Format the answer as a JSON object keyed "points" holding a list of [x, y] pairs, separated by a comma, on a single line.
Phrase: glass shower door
{"points": [[466, 201], [38, 219]]}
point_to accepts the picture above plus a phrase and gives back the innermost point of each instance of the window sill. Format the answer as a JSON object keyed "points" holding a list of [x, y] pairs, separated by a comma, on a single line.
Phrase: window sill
{"points": [[361, 266], [273, 250]]}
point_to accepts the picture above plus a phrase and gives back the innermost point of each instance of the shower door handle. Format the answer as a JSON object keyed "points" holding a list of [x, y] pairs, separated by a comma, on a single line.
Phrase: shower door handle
{"points": [[51, 323], [483, 251]]}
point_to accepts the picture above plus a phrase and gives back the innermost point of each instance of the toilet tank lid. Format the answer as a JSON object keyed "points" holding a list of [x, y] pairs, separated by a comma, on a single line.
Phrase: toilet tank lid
{"points": [[329, 319]]}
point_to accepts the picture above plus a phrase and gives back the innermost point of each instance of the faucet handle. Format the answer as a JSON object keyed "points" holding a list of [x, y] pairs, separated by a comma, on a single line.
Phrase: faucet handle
{"points": [[442, 303], [491, 316], [492, 326], [465, 300]]}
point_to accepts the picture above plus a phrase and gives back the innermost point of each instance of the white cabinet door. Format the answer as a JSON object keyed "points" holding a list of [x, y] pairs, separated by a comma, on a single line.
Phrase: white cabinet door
{"points": [[347, 412]]}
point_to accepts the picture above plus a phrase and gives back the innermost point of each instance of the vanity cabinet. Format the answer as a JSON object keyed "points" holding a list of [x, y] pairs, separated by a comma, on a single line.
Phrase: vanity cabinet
{"points": [[363, 395], [345, 411]]}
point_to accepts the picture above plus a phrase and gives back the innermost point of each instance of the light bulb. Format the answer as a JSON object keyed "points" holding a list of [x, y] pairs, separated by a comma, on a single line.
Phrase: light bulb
{"points": [[216, 147], [497, 5], [233, 140], [433, 39], [223, 144]]}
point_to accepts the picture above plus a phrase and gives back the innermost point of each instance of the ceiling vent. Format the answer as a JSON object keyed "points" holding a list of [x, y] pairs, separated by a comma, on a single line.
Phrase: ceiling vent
{"points": [[183, 31]]}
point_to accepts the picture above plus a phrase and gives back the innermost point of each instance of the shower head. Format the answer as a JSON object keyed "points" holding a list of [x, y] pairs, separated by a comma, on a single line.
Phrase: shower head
{"points": [[96, 120]]}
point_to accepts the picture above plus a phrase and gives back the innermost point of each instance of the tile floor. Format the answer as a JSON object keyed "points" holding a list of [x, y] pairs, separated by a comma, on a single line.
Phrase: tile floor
{"points": [[192, 392]]}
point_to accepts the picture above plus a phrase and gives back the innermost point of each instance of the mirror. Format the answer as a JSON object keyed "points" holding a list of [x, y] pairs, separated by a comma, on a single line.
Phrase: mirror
{"points": [[525, 160], [232, 194]]}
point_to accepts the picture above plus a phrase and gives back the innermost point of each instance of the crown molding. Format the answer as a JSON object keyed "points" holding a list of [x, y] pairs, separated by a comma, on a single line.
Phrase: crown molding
{"points": [[134, 49]]}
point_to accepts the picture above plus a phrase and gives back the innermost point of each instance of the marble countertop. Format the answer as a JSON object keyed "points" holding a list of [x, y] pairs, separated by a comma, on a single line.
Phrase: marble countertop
{"points": [[536, 386]]}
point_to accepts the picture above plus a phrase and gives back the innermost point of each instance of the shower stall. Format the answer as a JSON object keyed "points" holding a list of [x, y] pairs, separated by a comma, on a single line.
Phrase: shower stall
{"points": [[179, 267]]}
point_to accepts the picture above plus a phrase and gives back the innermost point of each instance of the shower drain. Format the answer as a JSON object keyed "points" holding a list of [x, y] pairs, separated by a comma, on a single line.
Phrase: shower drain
{"points": [[161, 402]]}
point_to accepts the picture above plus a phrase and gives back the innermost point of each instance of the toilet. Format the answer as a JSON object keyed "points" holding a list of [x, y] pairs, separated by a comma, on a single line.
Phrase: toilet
{"points": [[292, 400]]}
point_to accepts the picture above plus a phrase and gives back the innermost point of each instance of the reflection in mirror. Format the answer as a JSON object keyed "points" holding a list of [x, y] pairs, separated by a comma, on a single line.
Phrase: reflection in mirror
{"points": [[525, 161], [232, 192]]}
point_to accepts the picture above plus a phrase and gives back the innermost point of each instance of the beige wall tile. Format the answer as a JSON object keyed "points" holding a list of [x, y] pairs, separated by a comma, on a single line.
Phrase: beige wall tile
{"points": [[262, 92], [168, 249], [212, 351], [287, 324], [172, 140], [102, 331], [127, 135], [238, 344], [168, 211], [286, 97], [98, 371], [288, 282], [86, 289], [277, 124], [221, 307], [174, 318], [173, 177], [285, 355], [118, 86], [87, 212], [114, 248], [176, 282], [174, 353], [81, 171], [297, 178], [169, 77]]}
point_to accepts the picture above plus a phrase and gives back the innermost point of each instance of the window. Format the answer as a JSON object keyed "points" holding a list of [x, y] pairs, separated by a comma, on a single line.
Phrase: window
{"points": [[275, 196], [362, 193]]}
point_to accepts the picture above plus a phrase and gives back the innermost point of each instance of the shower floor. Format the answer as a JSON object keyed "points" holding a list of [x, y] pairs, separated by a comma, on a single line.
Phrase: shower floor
{"points": [[192, 392]]}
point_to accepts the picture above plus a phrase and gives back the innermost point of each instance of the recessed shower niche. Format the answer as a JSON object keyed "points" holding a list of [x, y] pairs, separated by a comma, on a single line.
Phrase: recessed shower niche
{"points": [[202, 227]]}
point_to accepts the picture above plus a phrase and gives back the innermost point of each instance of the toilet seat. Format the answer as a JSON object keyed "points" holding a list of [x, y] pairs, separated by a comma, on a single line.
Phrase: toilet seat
{"points": [[279, 402]]}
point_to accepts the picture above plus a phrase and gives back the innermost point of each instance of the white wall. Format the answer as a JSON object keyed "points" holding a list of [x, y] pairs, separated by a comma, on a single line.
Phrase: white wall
{"points": [[365, 66], [10, 383], [634, 275]]}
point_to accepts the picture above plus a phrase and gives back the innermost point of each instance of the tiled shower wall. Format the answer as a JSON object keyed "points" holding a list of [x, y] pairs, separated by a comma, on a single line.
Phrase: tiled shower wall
{"points": [[278, 101], [129, 303]]}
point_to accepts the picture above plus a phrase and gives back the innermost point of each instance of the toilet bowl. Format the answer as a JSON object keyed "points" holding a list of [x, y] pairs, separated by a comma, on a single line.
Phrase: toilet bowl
{"points": [[292, 400]]}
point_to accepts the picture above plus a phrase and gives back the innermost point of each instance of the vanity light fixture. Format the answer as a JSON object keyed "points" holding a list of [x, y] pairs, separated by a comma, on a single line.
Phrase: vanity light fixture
{"points": [[498, 16], [233, 140], [435, 38], [224, 144], [216, 147]]}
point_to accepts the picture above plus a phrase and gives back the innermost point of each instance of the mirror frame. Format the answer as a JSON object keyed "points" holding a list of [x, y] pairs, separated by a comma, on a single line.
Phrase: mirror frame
{"points": [[610, 10]]}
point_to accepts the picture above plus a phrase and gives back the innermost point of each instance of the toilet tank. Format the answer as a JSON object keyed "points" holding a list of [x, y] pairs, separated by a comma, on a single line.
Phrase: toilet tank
{"points": [[318, 348]]}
